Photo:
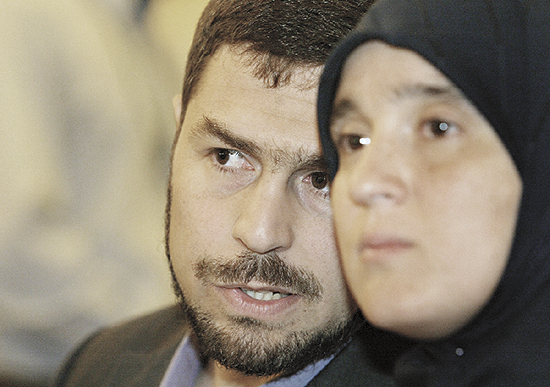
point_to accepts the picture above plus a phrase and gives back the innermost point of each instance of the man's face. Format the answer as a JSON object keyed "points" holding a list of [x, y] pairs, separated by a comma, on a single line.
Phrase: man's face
{"points": [[426, 197], [250, 238]]}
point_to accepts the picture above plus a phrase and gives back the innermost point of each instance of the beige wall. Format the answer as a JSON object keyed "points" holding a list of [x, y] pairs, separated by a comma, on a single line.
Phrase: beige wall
{"points": [[172, 23]]}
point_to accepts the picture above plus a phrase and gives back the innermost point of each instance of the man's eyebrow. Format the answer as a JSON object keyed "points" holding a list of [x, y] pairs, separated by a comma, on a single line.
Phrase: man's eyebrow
{"points": [[311, 163], [299, 160], [209, 127]]}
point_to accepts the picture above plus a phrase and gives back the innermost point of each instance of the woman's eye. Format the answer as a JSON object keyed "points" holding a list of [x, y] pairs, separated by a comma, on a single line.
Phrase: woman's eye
{"points": [[351, 142], [438, 128]]}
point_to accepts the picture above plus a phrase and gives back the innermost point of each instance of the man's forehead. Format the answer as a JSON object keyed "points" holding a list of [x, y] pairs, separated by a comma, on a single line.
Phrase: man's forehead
{"points": [[264, 66]]}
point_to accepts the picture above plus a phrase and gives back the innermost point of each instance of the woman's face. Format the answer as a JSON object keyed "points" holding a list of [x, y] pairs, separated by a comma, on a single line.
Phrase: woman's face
{"points": [[426, 196]]}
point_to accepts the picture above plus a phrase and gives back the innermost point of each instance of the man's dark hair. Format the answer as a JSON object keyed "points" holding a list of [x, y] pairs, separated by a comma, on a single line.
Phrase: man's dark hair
{"points": [[280, 35]]}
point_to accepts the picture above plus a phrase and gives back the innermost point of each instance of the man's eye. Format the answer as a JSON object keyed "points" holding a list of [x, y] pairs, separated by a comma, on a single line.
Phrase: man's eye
{"points": [[319, 180], [230, 158], [223, 155]]}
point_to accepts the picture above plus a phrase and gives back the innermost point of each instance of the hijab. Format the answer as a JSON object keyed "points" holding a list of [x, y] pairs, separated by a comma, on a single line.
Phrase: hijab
{"points": [[498, 53]]}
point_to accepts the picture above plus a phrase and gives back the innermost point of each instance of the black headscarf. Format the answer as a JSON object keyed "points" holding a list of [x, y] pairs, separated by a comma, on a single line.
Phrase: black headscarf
{"points": [[498, 53]]}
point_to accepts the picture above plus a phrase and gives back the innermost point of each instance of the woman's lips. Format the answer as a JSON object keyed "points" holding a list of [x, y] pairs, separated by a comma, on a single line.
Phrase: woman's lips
{"points": [[380, 246]]}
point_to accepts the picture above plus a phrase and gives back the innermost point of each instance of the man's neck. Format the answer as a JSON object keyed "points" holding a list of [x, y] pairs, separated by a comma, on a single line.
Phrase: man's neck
{"points": [[214, 375]]}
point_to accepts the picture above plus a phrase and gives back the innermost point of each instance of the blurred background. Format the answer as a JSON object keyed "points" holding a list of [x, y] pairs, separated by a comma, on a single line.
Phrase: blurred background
{"points": [[86, 123]]}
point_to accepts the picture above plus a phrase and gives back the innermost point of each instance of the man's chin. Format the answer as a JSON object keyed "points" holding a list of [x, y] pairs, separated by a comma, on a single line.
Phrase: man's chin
{"points": [[254, 349]]}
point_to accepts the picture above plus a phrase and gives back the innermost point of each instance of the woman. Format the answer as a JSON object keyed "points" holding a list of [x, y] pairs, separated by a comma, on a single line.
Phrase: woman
{"points": [[434, 118]]}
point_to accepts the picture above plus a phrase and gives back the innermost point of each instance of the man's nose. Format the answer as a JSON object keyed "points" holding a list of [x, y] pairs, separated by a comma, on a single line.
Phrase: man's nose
{"points": [[265, 219]]}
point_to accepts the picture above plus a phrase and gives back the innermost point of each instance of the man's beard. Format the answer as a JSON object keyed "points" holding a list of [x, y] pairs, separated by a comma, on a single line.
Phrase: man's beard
{"points": [[254, 347]]}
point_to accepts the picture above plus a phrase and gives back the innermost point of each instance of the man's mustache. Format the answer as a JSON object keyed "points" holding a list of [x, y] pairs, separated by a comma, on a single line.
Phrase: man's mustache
{"points": [[268, 268]]}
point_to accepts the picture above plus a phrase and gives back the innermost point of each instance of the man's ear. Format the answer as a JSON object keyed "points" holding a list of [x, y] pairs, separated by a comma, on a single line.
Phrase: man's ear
{"points": [[176, 102]]}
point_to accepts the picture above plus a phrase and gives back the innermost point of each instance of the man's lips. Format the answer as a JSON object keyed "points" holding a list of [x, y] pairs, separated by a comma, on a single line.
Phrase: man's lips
{"points": [[264, 295], [261, 286], [259, 273], [262, 304], [261, 293]]}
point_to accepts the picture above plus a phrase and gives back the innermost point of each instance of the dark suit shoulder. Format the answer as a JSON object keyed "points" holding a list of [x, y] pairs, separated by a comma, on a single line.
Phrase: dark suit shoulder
{"points": [[367, 360], [121, 355]]}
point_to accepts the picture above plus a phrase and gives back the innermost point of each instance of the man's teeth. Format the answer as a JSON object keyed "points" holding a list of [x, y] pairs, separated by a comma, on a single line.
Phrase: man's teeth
{"points": [[264, 295]]}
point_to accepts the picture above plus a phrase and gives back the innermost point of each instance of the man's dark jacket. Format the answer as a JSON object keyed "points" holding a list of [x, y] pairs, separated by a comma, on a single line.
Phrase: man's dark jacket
{"points": [[139, 352]]}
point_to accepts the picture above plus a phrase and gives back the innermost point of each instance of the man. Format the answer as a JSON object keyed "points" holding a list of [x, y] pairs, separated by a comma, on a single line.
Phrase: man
{"points": [[249, 234]]}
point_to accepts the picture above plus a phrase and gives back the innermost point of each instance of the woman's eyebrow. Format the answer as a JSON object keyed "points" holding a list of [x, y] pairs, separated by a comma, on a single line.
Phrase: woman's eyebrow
{"points": [[427, 90], [341, 109], [345, 106]]}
